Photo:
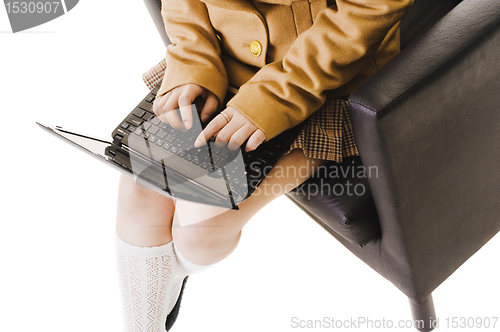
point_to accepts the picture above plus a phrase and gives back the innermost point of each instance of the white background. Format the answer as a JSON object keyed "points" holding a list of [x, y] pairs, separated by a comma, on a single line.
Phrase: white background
{"points": [[83, 71]]}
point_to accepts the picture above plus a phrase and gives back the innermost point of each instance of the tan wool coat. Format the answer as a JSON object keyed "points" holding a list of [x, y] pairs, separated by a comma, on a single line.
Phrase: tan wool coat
{"points": [[284, 57]]}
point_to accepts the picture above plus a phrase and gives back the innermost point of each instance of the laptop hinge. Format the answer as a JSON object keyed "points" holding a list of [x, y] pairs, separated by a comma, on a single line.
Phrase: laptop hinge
{"points": [[117, 142]]}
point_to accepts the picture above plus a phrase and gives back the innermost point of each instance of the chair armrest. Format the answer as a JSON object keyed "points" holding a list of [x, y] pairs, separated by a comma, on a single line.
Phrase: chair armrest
{"points": [[430, 122]]}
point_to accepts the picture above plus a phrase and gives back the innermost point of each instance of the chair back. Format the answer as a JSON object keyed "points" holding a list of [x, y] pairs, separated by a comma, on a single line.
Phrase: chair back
{"points": [[422, 16], [154, 8]]}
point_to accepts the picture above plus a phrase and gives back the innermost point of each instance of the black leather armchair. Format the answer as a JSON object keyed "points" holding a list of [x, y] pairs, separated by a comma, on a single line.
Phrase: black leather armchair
{"points": [[429, 121], [427, 126]]}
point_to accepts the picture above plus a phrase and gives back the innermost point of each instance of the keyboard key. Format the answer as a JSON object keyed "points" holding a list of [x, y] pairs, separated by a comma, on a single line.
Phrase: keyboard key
{"points": [[181, 154], [153, 130], [178, 141], [124, 125], [167, 146], [216, 149], [216, 160], [156, 121], [135, 121], [161, 134], [174, 149], [204, 156], [159, 142], [186, 147], [196, 161], [204, 152], [188, 157], [122, 132], [139, 112], [150, 98], [225, 154], [179, 135], [151, 138], [146, 106], [269, 153], [204, 165]]}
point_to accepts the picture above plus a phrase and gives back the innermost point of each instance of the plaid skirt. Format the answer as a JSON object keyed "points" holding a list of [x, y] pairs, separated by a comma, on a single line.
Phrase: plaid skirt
{"points": [[327, 133]]}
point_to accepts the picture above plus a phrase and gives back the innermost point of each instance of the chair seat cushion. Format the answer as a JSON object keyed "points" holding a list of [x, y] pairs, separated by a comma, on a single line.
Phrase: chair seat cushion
{"points": [[338, 197]]}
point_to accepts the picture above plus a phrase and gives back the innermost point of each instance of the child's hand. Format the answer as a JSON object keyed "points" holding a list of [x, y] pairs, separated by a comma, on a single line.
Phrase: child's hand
{"points": [[182, 97], [235, 130]]}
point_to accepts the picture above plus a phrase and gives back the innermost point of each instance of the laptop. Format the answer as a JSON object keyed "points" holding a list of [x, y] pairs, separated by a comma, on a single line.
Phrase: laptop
{"points": [[165, 160]]}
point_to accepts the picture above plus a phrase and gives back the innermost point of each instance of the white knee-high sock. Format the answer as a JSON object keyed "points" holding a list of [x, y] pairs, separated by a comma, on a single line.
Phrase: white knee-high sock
{"points": [[150, 283]]}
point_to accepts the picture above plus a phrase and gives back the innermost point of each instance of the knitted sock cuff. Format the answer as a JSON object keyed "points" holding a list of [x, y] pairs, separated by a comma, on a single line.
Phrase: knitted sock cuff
{"points": [[187, 266], [145, 252]]}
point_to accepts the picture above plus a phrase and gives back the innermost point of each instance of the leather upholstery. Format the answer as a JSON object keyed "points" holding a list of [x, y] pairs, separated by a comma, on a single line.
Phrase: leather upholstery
{"points": [[342, 205], [423, 15], [431, 122]]}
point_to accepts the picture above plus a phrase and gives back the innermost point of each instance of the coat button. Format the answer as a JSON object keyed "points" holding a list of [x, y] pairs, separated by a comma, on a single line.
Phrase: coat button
{"points": [[256, 48]]}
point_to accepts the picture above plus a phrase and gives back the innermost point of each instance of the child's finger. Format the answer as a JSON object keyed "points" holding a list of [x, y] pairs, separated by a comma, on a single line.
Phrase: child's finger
{"points": [[159, 103], [257, 138], [240, 136], [168, 113], [186, 99], [210, 107], [213, 127]]}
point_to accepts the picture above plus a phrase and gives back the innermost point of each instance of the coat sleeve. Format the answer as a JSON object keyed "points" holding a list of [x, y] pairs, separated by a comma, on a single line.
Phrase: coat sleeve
{"points": [[328, 55], [194, 55]]}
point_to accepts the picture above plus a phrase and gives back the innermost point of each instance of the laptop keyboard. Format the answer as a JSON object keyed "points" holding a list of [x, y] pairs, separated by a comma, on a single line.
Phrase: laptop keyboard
{"points": [[142, 122]]}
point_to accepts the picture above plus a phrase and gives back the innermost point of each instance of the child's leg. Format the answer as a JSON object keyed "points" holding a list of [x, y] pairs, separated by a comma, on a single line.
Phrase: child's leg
{"points": [[144, 217], [148, 267], [152, 268], [217, 230]]}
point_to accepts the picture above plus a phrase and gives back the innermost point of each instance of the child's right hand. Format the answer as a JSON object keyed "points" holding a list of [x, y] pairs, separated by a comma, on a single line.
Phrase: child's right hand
{"points": [[182, 97]]}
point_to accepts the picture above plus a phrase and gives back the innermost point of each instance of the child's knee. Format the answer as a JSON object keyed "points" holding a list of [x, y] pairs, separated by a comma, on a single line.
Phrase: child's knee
{"points": [[206, 241]]}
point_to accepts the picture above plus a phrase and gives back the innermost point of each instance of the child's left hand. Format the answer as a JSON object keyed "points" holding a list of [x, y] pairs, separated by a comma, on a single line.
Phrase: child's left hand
{"points": [[234, 129]]}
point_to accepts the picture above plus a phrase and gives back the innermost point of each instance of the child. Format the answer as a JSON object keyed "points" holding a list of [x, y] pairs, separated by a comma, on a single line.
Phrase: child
{"points": [[288, 62]]}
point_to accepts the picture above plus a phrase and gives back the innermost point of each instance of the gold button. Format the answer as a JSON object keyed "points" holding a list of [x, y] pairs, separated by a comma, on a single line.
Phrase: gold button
{"points": [[256, 48], [219, 38]]}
